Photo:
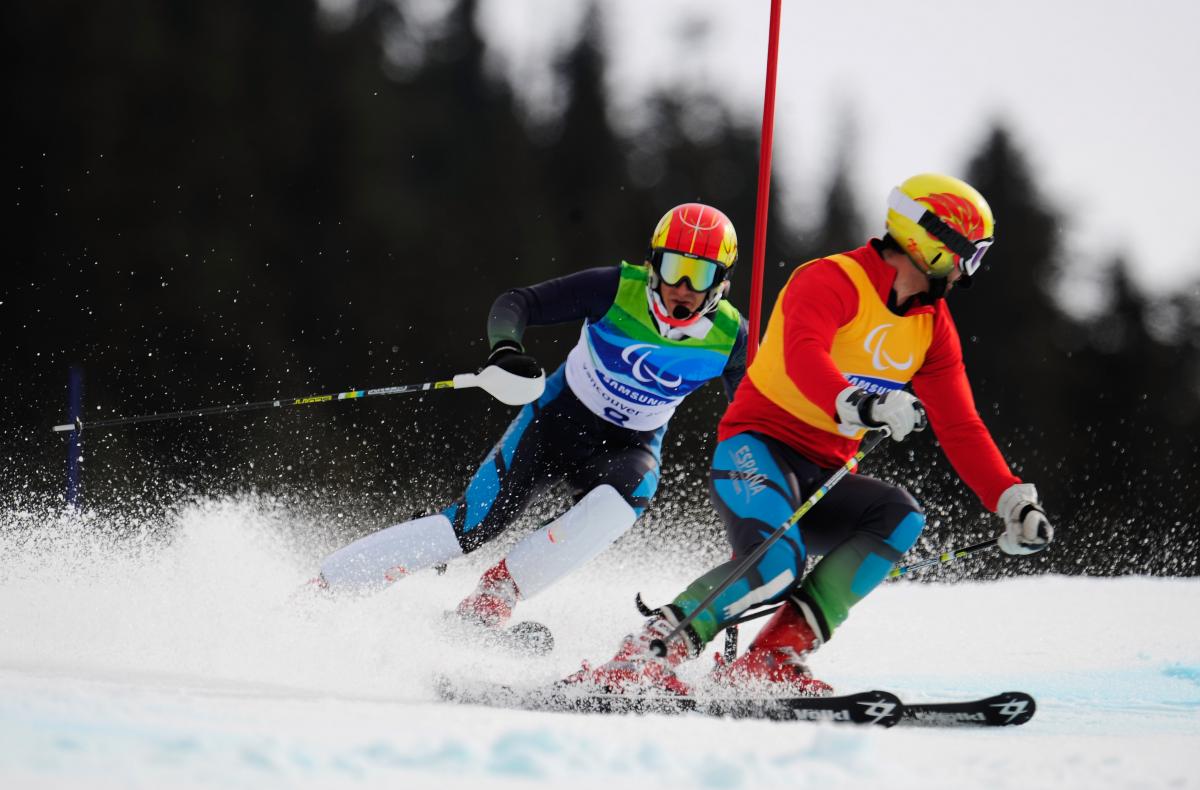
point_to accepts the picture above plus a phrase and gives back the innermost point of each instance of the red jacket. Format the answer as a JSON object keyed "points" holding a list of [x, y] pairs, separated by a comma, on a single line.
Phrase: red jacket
{"points": [[819, 300]]}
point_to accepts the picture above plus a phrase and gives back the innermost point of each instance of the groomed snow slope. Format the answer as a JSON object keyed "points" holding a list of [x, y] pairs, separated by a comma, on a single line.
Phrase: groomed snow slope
{"points": [[189, 663]]}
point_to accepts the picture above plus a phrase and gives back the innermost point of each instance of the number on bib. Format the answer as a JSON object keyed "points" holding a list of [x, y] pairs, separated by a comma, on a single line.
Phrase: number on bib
{"points": [[618, 417]]}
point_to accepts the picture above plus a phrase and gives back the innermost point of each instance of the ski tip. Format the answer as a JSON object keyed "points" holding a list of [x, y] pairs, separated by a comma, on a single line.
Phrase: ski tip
{"points": [[1012, 708], [531, 637], [526, 638], [1007, 709]]}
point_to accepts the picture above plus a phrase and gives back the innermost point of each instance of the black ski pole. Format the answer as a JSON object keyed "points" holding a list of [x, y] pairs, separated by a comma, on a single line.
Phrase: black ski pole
{"points": [[895, 573], [461, 381], [731, 642], [659, 646]]}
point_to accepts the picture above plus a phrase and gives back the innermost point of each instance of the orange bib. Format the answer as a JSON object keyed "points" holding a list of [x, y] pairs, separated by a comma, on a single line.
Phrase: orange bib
{"points": [[876, 350]]}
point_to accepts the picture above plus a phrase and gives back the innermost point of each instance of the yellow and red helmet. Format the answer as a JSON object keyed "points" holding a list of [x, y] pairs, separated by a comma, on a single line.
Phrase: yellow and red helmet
{"points": [[697, 243], [941, 223]]}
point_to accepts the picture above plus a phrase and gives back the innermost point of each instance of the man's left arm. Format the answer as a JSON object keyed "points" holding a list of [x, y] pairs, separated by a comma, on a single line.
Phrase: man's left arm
{"points": [[943, 389]]}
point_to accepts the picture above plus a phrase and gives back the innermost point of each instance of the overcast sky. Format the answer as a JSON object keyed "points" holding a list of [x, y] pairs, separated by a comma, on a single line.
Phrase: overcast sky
{"points": [[1101, 95]]}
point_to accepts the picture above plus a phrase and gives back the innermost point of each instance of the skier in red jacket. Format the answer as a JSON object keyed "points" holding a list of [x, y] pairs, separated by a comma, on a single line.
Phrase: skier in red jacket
{"points": [[848, 335]]}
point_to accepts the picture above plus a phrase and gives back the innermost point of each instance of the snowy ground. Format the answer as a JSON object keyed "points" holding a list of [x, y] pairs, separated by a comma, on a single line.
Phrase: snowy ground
{"points": [[187, 664]]}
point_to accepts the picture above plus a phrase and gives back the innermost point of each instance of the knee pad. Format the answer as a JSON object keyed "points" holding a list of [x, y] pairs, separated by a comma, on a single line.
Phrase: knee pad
{"points": [[896, 519], [905, 534], [570, 541], [907, 518], [391, 554]]}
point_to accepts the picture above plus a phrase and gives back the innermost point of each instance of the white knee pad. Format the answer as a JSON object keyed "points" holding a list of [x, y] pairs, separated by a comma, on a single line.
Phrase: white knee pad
{"points": [[568, 542], [391, 554]]}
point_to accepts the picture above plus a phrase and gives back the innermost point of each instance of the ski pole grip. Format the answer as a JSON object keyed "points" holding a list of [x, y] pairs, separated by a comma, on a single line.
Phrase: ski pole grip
{"points": [[922, 417], [464, 380], [70, 426]]}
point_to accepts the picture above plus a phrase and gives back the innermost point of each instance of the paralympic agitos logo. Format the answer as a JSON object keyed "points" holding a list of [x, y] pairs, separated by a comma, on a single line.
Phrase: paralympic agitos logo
{"points": [[880, 359], [642, 370]]}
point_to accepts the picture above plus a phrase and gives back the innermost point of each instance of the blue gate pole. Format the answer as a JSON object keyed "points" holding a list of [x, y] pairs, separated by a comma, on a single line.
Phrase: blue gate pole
{"points": [[75, 440]]}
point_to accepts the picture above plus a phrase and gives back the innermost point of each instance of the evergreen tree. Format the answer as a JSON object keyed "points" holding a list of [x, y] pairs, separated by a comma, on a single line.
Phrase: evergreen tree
{"points": [[1132, 417], [840, 225], [1013, 332], [587, 188]]}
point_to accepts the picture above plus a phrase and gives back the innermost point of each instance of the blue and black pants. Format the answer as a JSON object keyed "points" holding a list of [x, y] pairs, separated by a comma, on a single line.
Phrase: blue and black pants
{"points": [[860, 529], [553, 439]]}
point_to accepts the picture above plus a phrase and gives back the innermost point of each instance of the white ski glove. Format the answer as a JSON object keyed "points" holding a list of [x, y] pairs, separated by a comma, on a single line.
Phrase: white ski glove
{"points": [[510, 376], [1026, 529], [899, 411]]}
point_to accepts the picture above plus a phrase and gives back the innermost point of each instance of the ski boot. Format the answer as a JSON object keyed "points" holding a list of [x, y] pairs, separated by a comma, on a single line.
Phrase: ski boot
{"points": [[491, 605], [635, 669], [775, 660], [486, 613]]}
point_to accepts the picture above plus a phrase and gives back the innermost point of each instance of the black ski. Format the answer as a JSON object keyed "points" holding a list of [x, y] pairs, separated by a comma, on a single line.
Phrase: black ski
{"points": [[869, 707], [525, 638], [1003, 710]]}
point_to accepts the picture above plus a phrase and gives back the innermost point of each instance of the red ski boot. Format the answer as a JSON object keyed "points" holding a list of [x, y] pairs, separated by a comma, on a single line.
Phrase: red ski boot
{"points": [[635, 670], [775, 658], [491, 605]]}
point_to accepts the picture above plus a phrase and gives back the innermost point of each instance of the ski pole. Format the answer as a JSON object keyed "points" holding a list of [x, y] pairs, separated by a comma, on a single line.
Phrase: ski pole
{"points": [[730, 650], [659, 646], [461, 381], [895, 573], [942, 558]]}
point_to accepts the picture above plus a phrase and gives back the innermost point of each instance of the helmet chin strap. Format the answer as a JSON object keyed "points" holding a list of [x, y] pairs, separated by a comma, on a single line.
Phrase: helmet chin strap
{"points": [[937, 288]]}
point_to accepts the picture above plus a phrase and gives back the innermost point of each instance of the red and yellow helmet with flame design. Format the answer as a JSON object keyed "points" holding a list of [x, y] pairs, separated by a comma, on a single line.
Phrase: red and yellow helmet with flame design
{"points": [[696, 244], [942, 223]]}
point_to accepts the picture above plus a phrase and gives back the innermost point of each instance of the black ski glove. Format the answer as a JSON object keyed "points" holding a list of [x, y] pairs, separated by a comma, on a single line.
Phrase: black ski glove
{"points": [[511, 358]]}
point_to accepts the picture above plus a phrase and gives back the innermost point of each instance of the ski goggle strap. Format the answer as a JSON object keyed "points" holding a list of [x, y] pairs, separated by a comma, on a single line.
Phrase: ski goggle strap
{"points": [[970, 253], [673, 267]]}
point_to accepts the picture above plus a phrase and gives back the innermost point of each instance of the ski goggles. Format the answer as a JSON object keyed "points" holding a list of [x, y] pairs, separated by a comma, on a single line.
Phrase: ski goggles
{"points": [[674, 267], [970, 253]]}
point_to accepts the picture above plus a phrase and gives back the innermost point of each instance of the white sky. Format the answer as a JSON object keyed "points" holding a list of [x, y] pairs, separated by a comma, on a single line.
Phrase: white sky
{"points": [[1101, 96]]}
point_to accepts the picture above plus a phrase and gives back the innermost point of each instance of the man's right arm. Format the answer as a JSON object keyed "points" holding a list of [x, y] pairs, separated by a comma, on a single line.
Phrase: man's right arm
{"points": [[583, 295]]}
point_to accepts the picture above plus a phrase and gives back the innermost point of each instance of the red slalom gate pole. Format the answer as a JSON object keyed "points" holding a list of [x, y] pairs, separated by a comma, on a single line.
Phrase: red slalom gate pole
{"points": [[764, 183], [760, 226]]}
